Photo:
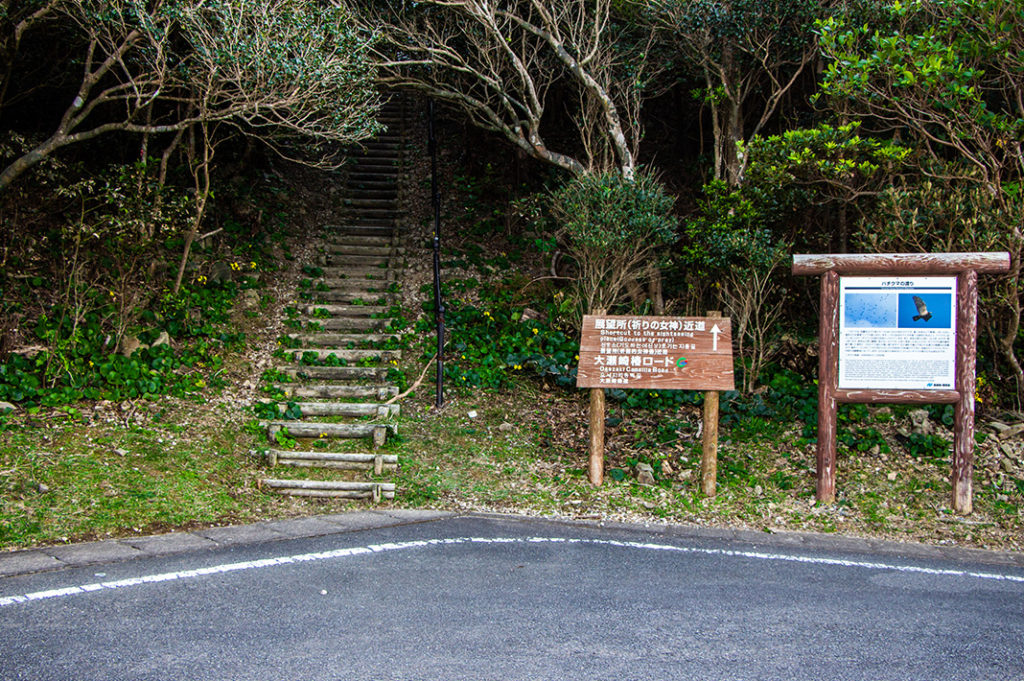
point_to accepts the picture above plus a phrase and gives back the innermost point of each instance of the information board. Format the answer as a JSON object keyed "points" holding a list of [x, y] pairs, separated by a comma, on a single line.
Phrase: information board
{"points": [[897, 333], [661, 353]]}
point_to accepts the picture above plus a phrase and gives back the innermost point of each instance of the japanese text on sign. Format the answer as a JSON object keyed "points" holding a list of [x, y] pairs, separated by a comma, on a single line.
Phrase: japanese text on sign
{"points": [[681, 353]]}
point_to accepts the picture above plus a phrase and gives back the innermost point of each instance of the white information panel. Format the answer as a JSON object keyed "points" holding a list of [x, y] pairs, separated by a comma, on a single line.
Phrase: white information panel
{"points": [[897, 333]]}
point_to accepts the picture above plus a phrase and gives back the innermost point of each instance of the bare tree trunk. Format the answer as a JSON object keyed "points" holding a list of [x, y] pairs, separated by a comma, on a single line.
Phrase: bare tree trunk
{"points": [[201, 173], [654, 289]]}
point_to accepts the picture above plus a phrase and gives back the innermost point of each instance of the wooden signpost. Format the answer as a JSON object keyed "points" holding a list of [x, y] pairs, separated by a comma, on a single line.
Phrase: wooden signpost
{"points": [[899, 328], [651, 353]]}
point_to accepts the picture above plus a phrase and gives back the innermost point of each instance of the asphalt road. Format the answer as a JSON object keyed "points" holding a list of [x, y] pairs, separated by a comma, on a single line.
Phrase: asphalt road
{"points": [[484, 598]]}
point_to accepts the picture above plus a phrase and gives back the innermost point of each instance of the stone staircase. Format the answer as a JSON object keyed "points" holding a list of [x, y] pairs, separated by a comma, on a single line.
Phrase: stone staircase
{"points": [[335, 377]]}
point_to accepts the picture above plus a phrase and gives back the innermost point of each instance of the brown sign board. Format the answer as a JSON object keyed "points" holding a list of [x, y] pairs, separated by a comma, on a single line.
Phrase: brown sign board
{"points": [[656, 353]]}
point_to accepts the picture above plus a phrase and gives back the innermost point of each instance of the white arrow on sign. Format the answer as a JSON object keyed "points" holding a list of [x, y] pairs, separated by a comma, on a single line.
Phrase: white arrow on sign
{"points": [[714, 337]]}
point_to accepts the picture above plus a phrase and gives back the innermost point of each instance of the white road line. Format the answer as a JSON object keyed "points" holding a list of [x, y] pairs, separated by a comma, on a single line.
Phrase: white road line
{"points": [[401, 546]]}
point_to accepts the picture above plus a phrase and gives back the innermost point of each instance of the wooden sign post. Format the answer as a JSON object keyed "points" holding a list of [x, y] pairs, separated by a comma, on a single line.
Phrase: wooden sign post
{"points": [[898, 328], [649, 353], [709, 440]]}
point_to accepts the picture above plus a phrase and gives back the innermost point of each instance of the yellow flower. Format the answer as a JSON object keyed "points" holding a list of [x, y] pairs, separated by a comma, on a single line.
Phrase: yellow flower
{"points": [[252, 265], [536, 331]]}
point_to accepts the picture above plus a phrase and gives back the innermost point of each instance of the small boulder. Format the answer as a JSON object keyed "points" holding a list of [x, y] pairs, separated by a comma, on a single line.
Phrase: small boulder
{"points": [[666, 468], [163, 339], [1011, 431], [129, 344], [506, 427], [220, 273], [249, 299], [920, 422], [644, 474], [7, 407]]}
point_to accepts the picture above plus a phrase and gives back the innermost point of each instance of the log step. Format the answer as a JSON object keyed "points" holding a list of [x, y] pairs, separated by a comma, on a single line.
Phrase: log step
{"points": [[341, 339], [345, 310], [343, 460], [337, 256], [353, 187], [346, 354], [375, 274], [381, 204], [354, 409], [351, 324], [358, 229], [343, 490], [368, 276], [351, 392], [335, 373], [348, 294], [356, 249], [310, 429]]}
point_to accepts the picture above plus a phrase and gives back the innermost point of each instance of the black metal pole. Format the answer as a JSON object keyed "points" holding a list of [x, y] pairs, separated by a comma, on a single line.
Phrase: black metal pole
{"points": [[438, 301]]}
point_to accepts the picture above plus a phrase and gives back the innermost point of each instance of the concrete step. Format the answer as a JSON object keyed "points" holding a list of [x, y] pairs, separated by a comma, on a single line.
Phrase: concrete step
{"points": [[342, 490], [377, 463], [346, 354], [336, 374], [380, 391], [353, 409]]}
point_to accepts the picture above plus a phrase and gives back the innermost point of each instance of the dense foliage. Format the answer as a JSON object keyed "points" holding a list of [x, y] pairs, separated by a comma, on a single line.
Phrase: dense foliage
{"points": [[772, 127]]}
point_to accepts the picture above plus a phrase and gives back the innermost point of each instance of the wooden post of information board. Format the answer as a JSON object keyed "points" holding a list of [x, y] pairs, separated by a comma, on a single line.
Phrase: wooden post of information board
{"points": [[962, 475], [595, 466], [709, 449], [828, 381]]}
